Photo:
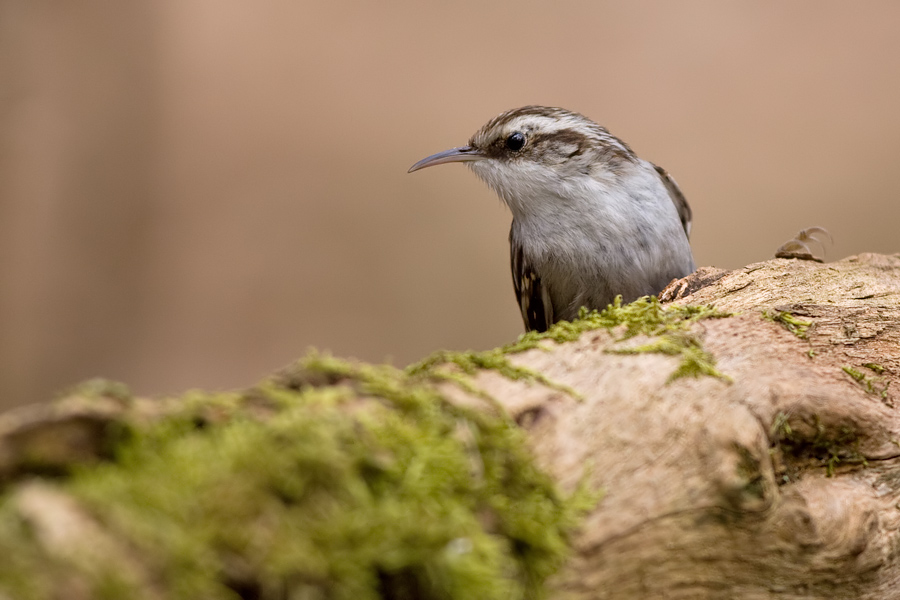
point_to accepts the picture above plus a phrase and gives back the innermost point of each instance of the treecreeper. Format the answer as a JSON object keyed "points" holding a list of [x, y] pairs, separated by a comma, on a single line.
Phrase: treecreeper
{"points": [[591, 220]]}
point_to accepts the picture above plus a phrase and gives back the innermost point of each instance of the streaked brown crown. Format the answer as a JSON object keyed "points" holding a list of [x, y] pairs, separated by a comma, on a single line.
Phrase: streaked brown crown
{"points": [[552, 135]]}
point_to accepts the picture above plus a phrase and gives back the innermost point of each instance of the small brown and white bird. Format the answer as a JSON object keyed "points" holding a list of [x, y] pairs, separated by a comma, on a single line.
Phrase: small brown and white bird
{"points": [[591, 220]]}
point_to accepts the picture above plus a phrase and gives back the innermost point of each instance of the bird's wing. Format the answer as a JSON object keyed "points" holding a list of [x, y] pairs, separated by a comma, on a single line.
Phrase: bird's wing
{"points": [[681, 203], [532, 294]]}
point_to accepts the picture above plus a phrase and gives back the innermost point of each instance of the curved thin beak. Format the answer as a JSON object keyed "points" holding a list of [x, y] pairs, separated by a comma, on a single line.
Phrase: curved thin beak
{"points": [[461, 154]]}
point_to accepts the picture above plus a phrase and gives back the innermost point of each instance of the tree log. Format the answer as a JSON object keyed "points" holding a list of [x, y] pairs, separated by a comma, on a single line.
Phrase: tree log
{"points": [[773, 472], [782, 483]]}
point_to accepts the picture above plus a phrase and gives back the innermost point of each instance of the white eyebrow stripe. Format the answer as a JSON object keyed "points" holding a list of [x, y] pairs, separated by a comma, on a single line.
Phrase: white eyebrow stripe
{"points": [[543, 124]]}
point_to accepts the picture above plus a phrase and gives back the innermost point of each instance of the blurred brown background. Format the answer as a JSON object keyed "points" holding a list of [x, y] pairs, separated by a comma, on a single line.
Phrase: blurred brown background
{"points": [[193, 192]]}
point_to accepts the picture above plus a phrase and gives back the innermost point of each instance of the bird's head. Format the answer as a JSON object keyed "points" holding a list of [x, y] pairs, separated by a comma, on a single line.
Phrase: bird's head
{"points": [[531, 151]]}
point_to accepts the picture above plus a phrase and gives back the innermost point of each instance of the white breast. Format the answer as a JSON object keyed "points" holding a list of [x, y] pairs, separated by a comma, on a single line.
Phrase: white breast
{"points": [[593, 236]]}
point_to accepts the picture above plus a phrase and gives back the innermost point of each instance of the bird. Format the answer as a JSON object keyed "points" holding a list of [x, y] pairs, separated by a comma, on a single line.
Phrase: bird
{"points": [[590, 220]]}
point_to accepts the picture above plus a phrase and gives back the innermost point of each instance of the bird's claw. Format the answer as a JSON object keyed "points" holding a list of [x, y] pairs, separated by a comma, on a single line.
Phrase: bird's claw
{"points": [[798, 247]]}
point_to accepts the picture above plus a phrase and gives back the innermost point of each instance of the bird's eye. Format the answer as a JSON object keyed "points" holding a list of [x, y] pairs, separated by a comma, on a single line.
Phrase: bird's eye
{"points": [[515, 141]]}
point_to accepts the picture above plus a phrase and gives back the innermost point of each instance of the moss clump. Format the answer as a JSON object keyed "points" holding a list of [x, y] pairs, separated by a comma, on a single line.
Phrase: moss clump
{"points": [[25, 571], [470, 362], [877, 386], [645, 316], [332, 480], [799, 327], [695, 361], [671, 326], [805, 443]]}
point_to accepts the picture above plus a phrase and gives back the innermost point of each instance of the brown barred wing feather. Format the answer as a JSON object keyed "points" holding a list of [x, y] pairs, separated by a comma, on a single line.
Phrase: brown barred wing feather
{"points": [[681, 203], [532, 294]]}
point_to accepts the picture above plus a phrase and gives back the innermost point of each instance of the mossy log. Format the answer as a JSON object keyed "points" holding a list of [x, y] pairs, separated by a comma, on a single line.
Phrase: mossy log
{"points": [[649, 451]]}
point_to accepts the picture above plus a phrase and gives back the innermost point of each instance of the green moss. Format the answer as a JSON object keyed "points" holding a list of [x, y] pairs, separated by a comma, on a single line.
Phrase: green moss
{"points": [[781, 427], [671, 326], [645, 316], [470, 362], [877, 386], [25, 571], [799, 327], [331, 480], [334, 480], [856, 375], [695, 361], [807, 443]]}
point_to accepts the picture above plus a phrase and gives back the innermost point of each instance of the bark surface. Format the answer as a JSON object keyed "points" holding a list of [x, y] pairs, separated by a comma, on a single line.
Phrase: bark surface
{"points": [[783, 483]]}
